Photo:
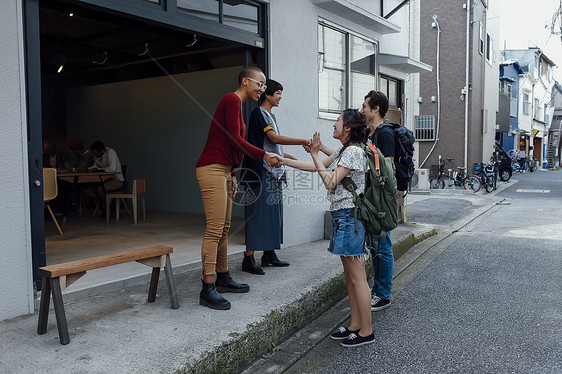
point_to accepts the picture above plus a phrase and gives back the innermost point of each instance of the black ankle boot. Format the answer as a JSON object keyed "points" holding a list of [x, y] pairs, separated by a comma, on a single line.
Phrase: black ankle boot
{"points": [[269, 258], [249, 265], [211, 298], [225, 283]]}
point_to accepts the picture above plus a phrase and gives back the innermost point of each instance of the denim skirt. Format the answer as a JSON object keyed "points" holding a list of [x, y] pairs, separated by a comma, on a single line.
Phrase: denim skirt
{"points": [[345, 241]]}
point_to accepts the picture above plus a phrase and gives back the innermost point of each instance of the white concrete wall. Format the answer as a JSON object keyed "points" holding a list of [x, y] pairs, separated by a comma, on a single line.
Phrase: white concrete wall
{"points": [[16, 290], [294, 63]]}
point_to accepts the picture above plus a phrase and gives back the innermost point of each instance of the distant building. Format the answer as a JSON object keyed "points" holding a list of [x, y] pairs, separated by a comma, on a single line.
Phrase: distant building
{"points": [[555, 130], [459, 98], [535, 90], [507, 119]]}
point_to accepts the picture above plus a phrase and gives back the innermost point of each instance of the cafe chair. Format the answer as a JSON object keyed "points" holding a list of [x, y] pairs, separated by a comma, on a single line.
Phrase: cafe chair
{"points": [[139, 190], [82, 200], [50, 190]]}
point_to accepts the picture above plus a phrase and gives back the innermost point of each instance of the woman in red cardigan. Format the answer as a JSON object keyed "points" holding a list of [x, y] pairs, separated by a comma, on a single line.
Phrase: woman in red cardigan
{"points": [[223, 152]]}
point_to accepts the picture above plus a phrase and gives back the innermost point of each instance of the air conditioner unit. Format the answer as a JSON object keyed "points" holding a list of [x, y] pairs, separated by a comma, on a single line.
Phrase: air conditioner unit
{"points": [[420, 179]]}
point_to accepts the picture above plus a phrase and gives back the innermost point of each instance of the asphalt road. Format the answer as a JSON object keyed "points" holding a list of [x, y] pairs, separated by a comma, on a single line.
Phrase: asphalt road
{"points": [[485, 299]]}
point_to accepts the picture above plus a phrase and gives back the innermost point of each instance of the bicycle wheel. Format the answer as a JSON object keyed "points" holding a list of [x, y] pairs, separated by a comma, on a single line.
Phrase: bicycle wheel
{"points": [[489, 185], [435, 183], [472, 183]]}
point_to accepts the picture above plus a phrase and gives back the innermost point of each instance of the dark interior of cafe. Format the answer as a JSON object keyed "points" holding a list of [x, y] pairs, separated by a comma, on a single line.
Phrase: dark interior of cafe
{"points": [[149, 92]]}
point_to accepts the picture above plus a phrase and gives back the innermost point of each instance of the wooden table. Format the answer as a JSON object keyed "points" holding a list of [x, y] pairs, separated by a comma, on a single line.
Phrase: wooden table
{"points": [[82, 177], [86, 176]]}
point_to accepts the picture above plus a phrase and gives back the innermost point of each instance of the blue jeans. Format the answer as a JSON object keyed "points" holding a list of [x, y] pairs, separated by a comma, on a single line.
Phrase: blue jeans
{"points": [[383, 266]]}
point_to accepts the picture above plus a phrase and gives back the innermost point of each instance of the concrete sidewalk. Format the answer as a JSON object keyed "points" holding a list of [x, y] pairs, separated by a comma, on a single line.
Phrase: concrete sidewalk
{"points": [[119, 332]]}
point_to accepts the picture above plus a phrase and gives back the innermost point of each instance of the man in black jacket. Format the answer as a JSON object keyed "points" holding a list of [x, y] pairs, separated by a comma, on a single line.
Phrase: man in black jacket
{"points": [[374, 108]]}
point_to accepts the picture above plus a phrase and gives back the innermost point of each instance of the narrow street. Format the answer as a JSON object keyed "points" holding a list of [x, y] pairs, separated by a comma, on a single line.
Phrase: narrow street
{"points": [[484, 299]]}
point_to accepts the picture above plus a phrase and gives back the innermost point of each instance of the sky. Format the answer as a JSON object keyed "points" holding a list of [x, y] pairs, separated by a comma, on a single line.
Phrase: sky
{"points": [[522, 24]]}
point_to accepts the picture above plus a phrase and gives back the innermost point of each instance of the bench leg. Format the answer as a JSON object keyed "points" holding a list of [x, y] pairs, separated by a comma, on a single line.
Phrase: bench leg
{"points": [[44, 306], [59, 311], [171, 284], [153, 284]]}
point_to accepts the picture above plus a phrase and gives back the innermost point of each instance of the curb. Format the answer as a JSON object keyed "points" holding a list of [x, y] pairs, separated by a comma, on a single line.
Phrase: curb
{"points": [[264, 337], [404, 244], [233, 356]]}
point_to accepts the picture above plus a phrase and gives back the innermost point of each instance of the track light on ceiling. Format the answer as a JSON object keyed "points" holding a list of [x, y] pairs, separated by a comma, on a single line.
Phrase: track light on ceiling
{"points": [[146, 50], [71, 14], [193, 41], [60, 69], [101, 61]]}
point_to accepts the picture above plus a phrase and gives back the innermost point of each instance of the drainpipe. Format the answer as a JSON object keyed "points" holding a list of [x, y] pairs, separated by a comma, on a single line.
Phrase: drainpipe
{"points": [[466, 83], [438, 81]]}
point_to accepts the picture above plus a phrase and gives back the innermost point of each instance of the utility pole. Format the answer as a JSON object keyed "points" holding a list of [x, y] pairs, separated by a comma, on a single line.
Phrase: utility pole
{"points": [[556, 24]]}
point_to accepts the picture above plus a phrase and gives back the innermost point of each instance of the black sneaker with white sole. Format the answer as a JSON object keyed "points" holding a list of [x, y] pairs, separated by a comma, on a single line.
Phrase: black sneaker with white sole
{"points": [[356, 340], [343, 333], [379, 304]]}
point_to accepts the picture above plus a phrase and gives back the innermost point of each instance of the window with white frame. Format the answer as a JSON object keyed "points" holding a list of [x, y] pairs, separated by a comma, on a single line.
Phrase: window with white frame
{"points": [[537, 110], [392, 88], [425, 127], [526, 104], [346, 69], [481, 36], [489, 47], [362, 69]]}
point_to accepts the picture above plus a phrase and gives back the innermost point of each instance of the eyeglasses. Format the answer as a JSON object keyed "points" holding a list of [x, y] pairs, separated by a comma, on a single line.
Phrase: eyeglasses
{"points": [[261, 85]]}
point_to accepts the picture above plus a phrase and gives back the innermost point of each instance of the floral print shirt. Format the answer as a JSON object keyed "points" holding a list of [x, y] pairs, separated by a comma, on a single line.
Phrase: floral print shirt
{"points": [[352, 158]]}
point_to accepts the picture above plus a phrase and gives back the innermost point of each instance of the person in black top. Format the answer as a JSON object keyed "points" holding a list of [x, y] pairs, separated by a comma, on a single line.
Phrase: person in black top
{"points": [[374, 108], [263, 194]]}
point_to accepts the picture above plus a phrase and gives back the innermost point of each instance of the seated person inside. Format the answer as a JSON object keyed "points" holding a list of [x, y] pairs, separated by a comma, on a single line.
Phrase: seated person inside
{"points": [[105, 159], [84, 159], [54, 156]]}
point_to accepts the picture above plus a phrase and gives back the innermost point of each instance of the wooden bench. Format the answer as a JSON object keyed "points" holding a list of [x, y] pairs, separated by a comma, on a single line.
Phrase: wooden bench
{"points": [[58, 277]]}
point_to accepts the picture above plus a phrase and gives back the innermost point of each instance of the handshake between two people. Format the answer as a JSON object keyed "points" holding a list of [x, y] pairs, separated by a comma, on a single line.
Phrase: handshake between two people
{"points": [[312, 146]]}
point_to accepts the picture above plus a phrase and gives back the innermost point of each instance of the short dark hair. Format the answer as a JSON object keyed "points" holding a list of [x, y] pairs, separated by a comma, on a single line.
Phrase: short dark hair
{"points": [[250, 71], [357, 122], [377, 98], [272, 87], [97, 146]]}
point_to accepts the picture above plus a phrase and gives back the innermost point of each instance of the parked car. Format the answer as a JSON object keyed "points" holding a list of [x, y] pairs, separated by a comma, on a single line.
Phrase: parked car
{"points": [[504, 162]]}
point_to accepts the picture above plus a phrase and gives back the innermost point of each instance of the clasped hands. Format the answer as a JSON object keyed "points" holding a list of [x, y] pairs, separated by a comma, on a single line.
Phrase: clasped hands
{"points": [[314, 145], [311, 146], [272, 159]]}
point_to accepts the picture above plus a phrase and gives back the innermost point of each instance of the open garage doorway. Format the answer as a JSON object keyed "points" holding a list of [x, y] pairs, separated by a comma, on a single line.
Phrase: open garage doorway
{"points": [[147, 89]]}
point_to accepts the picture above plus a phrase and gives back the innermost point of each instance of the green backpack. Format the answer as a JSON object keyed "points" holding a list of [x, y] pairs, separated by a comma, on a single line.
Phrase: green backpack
{"points": [[377, 207]]}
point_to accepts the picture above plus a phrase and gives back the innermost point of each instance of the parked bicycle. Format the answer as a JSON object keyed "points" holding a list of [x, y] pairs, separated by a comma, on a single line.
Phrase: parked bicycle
{"points": [[531, 164], [487, 174], [460, 178], [518, 163]]}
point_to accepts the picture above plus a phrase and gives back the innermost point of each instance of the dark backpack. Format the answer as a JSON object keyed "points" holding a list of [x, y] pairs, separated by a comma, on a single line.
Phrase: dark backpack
{"points": [[377, 206], [404, 150]]}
